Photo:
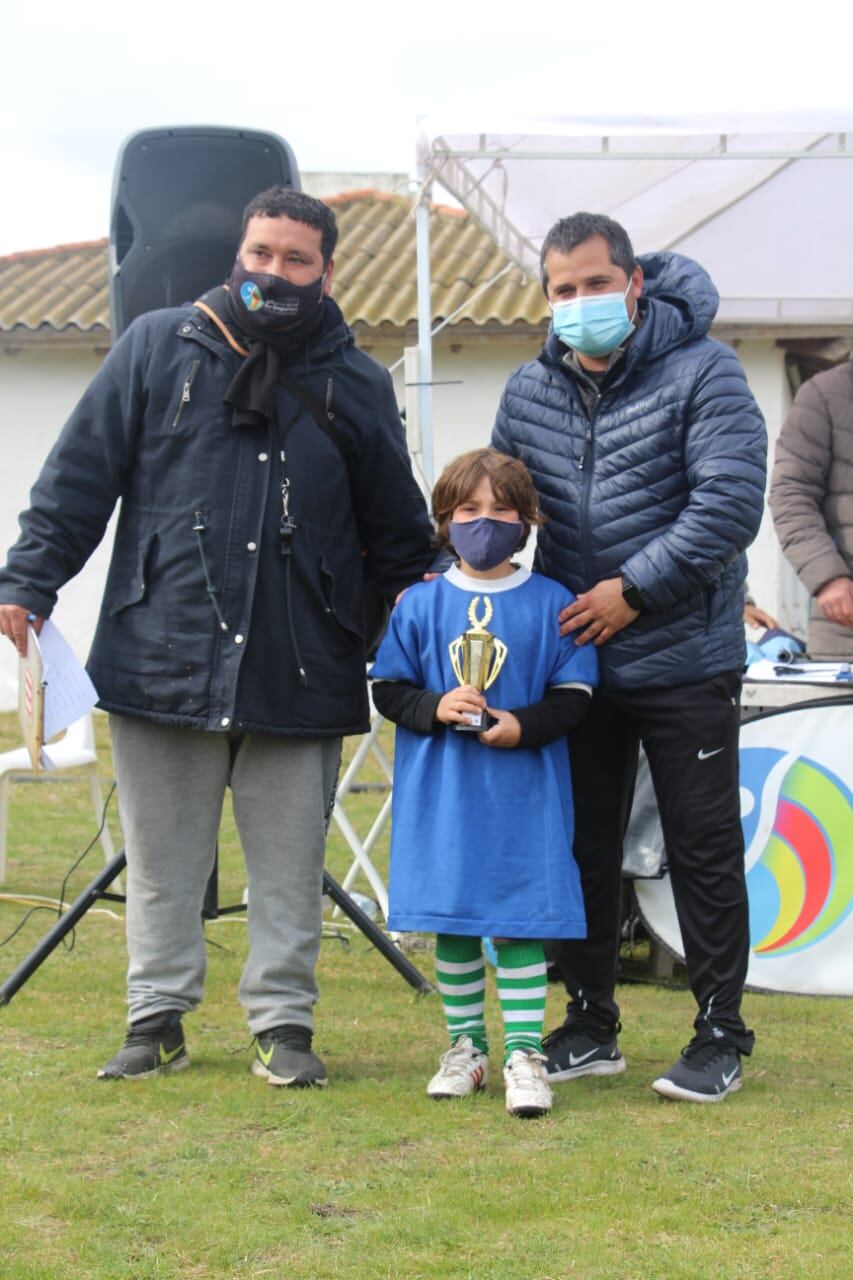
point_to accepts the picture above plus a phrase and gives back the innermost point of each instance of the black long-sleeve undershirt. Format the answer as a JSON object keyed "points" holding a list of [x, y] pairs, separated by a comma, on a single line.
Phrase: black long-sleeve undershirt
{"points": [[541, 723]]}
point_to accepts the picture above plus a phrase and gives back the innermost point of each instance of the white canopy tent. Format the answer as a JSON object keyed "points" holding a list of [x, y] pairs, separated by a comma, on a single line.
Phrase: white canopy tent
{"points": [[762, 201]]}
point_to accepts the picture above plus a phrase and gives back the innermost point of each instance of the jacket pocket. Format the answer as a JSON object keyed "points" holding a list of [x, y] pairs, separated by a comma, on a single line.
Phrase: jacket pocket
{"points": [[708, 599], [343, 602], [134, 590], [185, 396], [726, 685]]}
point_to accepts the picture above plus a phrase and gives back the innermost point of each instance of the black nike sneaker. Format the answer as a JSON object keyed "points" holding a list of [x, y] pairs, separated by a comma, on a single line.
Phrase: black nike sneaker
{"points": [[283, 1057], [153, 1046], [572, 1050], [707, 1071]]}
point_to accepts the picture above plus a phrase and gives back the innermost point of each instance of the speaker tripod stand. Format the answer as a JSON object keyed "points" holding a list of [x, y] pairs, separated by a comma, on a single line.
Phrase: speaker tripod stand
{"points": [[99, 888]]}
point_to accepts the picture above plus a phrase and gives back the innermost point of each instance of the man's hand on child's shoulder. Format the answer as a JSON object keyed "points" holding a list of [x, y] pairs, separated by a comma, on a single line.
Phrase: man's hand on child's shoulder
{"points": [[428, 577], [506, 733]]}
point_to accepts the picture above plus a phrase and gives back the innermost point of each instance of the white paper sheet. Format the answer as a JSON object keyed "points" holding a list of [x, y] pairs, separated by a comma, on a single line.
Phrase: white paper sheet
{"points": [[69, 693]]}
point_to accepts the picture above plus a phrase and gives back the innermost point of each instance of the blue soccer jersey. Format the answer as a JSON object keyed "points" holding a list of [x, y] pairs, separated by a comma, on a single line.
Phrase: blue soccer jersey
{"points": [[482, 837]]}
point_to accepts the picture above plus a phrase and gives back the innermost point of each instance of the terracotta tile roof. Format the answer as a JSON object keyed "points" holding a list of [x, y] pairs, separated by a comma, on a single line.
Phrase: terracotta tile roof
{"points": [[64, 289], [55, 289]]}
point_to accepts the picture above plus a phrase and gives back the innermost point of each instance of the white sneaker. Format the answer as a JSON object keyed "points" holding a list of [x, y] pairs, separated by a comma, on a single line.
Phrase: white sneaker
{"points": [[462, 1070], [528, 1092]]}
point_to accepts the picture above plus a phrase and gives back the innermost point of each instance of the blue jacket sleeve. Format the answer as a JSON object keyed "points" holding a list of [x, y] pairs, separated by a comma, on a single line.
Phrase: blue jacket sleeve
{"points": [[725, 460], [501, 438]]}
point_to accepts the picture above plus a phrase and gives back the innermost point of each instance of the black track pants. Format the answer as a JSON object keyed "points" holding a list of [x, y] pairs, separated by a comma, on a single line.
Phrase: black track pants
{"points": [[690, 735]]}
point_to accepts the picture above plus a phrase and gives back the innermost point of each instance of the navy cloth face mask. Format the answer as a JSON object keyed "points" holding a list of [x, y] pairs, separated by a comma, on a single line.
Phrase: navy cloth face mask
{"points": [[484, 543], [594, 325], [271, 302]]}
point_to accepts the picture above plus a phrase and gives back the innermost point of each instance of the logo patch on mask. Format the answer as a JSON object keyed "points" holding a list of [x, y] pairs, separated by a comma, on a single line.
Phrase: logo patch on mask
{"points": [[252, 297], [284, 307]]}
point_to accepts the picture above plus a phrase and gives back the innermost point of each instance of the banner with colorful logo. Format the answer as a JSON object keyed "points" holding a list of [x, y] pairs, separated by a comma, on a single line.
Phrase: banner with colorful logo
{"points": [[797, 815]]}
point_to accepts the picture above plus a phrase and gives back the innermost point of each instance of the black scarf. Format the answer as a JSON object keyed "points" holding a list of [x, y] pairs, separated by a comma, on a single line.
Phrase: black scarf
{"points": [[251, 392]]}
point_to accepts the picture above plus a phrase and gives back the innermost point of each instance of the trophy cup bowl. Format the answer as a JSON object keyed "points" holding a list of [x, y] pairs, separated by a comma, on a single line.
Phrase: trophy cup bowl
{"points": [[477, 657], [478, 649]]}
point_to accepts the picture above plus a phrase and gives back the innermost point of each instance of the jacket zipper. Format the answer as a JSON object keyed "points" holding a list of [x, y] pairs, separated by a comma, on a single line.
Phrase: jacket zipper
{"points": [[185, 393], [198, 529], [588, 456]]}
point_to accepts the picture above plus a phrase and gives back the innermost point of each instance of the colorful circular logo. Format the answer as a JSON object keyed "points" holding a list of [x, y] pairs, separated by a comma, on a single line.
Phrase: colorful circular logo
{"points": [[801, 882], [251, 295]]}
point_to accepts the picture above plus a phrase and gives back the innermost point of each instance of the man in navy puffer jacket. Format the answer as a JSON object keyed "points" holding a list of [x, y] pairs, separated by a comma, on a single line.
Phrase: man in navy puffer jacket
{"points": [[649, 454]]}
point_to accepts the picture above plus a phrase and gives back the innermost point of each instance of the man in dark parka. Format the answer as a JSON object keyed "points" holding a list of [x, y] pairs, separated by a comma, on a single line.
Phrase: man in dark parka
{"points": [[261, 468]]}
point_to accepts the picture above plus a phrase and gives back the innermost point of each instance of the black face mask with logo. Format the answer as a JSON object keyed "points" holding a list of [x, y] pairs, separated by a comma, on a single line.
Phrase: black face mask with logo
{"points": [[263, 305]]}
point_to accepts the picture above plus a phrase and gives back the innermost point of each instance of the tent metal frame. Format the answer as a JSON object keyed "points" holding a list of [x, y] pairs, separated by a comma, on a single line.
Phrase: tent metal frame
{"points": [[447, 165]]}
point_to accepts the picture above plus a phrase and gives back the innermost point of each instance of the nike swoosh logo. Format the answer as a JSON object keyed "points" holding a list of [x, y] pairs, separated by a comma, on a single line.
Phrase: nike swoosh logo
{"points": [[582, 1057], [265, 1055], [727, 1079], [706, 755], [168, 1055]]}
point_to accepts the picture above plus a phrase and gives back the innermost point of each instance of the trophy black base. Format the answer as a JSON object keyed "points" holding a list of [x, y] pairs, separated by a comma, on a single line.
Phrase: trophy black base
{"points": [[484, 722]]}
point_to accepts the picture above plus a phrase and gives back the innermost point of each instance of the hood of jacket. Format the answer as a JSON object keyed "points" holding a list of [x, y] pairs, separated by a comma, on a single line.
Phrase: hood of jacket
{"points": [[677, 305]]}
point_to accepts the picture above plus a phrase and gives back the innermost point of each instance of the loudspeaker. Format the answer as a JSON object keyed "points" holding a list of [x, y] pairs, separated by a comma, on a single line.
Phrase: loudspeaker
{"points": [[177, 203]]}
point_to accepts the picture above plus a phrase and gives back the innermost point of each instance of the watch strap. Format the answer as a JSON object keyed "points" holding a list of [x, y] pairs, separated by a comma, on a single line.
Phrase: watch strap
{"points": [[631, 594]]}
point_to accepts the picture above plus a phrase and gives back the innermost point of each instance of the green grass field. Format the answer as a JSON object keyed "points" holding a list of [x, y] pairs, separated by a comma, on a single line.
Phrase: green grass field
{"points": [[211, 1173]]}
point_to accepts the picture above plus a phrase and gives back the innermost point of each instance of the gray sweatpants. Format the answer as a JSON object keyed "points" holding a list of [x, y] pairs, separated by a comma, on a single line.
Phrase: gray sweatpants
{"points": [[171, 785]]}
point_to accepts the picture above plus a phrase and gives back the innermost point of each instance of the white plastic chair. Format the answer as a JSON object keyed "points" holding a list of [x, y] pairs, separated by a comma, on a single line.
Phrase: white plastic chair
{"points": [[361, 849], [75, 750]]}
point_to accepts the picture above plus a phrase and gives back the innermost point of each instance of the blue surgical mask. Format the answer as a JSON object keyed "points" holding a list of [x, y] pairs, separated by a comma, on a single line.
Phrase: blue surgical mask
{"points": [[484, 543], [594, 325]]}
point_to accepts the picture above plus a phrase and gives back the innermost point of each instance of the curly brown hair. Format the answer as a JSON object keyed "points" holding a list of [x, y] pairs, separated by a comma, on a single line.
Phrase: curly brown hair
{"points": [[510, 480], [284, 202]]}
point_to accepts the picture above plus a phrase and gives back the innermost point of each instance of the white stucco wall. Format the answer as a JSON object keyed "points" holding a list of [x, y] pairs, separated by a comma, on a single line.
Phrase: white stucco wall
{"points": [[469, 376], [38, 389]]}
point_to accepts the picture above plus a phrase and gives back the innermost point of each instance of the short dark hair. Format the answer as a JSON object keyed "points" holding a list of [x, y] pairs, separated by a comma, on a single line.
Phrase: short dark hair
{"points": [[284, 202], [568, 233], [510, 480]]}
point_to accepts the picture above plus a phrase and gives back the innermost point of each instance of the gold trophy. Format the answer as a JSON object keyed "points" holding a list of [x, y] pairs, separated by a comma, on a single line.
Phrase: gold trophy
{"points": [[477, 658]]}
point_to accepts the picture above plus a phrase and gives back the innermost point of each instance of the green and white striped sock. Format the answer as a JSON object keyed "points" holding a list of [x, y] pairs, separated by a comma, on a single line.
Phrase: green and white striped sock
{"points": [[522, 988], [461, 975]]}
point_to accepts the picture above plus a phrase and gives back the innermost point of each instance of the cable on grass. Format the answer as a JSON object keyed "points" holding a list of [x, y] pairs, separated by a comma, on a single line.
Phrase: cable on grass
{"points": [[19, 926], [330, 932], [59, 906], [68, 943], [208, 942], [333, 934]]}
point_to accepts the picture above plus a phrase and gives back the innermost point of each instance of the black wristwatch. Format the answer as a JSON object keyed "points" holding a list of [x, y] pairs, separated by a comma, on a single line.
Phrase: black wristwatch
{"points": [[631, 594]]}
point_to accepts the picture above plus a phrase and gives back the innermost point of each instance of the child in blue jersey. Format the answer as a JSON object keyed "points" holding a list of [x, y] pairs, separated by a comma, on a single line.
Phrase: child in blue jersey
{"points": [[481, 842]]}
